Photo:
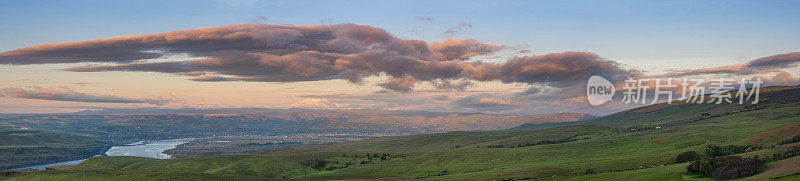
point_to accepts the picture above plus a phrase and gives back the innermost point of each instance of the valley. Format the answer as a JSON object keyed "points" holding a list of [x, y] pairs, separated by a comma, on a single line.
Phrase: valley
{"points": [[123, 128], [644, 146], [36, 139]]}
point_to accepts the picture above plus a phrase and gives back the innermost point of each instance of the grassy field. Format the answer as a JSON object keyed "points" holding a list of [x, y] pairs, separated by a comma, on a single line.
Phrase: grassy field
{"points": [[101, 175], [638, 144], [252, 144]]}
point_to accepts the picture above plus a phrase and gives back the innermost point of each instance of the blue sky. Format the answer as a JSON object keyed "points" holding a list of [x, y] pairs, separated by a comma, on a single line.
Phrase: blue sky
{"points": [[653, 36], [628, 31]]}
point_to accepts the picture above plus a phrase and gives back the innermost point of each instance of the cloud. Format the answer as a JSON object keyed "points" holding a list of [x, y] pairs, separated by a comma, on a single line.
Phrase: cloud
{"points": [[555, 69], [777, 61], [782, 78], [463, 48], [442, 98], [196, 74], [165, 67], [404, 84], [488, 102], [288, 53], [730, 69], [530, 91], [757, 66], [450, 85], [457, 29], [311, 103], [426, 19], [68, 94], [326, 21], [327, 96], [261, 19]]}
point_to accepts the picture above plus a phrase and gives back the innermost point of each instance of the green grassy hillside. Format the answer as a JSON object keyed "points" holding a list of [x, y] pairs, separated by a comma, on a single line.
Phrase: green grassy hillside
{"points": [[679, 111], [640, 144], [26, 147], [458, 139]]}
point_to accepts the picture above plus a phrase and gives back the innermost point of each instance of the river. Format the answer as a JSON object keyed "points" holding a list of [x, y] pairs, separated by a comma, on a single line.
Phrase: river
{"points": [[151, 149]]}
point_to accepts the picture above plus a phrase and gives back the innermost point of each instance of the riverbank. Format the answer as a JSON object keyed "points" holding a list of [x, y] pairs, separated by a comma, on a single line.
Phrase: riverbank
{"points": [[21, 157], [151, 149]]}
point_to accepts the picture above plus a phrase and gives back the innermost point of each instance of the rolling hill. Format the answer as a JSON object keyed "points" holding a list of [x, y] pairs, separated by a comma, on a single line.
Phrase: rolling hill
{"points": [[20, 148], [640, 144], [122, 128], [678, 112]]}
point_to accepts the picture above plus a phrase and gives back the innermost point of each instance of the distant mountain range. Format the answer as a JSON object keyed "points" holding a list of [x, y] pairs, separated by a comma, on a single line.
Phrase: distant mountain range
{"points": [[134, 111], [145, 124]]}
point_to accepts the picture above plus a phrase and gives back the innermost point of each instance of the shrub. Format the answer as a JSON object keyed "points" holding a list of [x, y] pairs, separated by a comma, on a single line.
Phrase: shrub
{"points": [[717, 151], [739, 169], [314, 163], [687, 156], [794, 139], [729, 167], [789, 153], [702, 167], [542, 142], [259, 144]]}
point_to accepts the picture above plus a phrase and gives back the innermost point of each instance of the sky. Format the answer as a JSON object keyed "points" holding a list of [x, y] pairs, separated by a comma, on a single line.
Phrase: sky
{"points": [[507, 57]]}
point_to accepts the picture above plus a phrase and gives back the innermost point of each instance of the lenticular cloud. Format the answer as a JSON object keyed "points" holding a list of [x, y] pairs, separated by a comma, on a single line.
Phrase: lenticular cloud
{"points": [[289, 53]]}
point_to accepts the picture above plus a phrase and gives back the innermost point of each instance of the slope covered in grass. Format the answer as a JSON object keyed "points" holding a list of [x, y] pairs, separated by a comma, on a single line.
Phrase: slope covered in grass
{"points": [[681, 111], [20, 148], [458, 139]]}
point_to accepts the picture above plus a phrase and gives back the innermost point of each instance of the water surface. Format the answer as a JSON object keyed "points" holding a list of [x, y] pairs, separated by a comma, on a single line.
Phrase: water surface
{"points": [[153, 149]]}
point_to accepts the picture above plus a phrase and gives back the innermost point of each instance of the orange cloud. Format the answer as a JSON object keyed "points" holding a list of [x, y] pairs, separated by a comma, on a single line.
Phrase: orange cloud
{"points": [[68, 94], [288, 53]]}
